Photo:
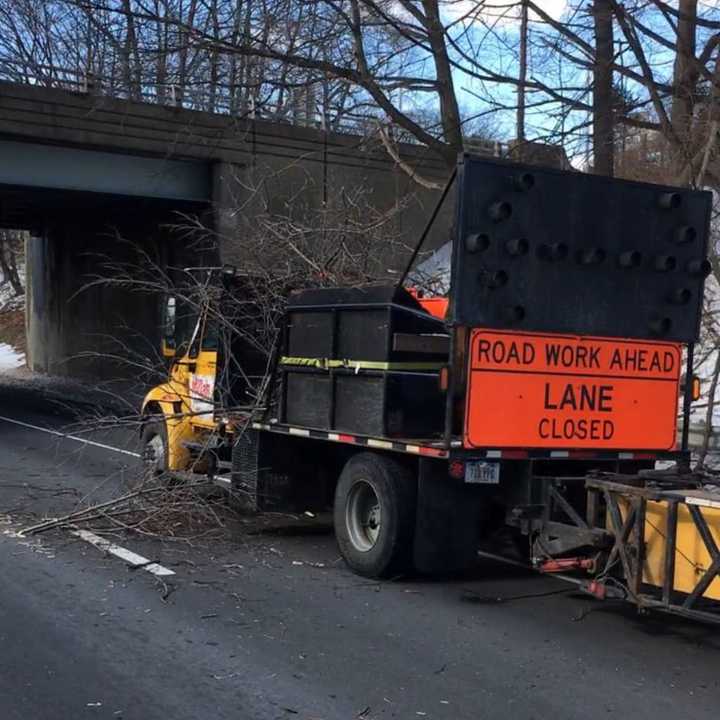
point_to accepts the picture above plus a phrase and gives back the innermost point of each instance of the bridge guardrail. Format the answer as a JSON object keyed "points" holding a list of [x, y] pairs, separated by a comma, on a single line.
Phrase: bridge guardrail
{"points": [[174, 95]]}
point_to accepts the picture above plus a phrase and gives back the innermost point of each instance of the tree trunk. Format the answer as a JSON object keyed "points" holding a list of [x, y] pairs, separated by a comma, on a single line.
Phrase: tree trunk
{"points": [[8, 263], [685, 77], [603, 131], [133, 70], [214, 60], [449, 111], [161, 61]]}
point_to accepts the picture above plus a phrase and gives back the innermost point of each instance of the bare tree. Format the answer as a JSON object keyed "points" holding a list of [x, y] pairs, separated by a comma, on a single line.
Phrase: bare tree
{"points": [[10, 244], [428, 69]]}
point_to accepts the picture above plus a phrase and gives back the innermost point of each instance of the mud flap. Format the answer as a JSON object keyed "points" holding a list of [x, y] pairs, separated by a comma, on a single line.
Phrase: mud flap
{"points": [[448, 522]]}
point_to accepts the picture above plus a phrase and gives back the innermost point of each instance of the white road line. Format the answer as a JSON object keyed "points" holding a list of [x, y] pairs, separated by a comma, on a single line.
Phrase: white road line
{"points": [[70, 437], [128, 556]]}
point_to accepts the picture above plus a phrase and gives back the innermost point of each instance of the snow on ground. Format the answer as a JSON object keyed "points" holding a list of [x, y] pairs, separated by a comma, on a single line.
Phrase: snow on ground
{"points": [[10, 357]]}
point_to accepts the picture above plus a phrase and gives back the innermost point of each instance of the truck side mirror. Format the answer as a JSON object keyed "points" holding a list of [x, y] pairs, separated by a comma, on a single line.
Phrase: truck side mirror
{"points": [[168, 325]]}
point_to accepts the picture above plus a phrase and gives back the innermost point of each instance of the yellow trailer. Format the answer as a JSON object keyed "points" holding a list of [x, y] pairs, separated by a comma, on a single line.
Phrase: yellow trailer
{"points": [[666, 533], [687, 518]]}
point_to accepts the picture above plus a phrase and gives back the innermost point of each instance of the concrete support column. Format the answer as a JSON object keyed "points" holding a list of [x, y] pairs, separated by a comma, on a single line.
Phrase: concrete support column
{"points": [[81, 321], [41, 317], [94, 288]]}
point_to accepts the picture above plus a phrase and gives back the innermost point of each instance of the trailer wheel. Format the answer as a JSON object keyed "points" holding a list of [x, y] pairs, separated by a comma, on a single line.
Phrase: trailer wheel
{"points": [[153, 453], [374, 515]]}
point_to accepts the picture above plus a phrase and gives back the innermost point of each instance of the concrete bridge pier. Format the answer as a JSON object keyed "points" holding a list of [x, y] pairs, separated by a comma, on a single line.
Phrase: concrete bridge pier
{"points": [[94, 287]]}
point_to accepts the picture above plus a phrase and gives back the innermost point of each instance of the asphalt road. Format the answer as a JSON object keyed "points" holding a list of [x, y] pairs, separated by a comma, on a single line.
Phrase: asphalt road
{"points": [[273, 626]]}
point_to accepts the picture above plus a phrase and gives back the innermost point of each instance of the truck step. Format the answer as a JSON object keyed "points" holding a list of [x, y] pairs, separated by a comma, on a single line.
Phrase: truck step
{"points": [[187, 478], [222, 481]]}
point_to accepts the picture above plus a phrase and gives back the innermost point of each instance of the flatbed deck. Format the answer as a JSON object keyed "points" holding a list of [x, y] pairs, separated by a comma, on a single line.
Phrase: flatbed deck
{"points": [[437, 448]]}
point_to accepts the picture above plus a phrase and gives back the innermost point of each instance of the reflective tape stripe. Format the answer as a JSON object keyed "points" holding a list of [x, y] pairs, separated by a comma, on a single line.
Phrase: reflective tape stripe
{"points": [[354, 440], [385, 444], [416, 449], [433, 452]]}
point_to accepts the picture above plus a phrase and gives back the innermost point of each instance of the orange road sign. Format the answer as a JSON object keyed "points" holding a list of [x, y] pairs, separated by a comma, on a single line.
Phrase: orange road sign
{"points": [[556, 391]]}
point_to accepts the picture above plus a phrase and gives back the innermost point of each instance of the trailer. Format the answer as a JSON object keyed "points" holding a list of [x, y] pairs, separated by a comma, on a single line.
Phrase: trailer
{"points": [[535, 396]]}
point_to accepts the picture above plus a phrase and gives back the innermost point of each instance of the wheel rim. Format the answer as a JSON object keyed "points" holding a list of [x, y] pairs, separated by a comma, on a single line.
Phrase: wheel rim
{"points": [[155, 455], [363, 516]]}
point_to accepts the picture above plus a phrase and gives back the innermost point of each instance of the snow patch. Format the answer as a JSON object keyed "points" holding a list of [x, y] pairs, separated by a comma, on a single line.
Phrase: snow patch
{"points": [[10, 358]]}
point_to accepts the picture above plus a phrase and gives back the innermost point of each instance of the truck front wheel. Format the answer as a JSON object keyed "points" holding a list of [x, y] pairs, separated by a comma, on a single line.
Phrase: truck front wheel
{"points": [[374, 515], [154, 453]]}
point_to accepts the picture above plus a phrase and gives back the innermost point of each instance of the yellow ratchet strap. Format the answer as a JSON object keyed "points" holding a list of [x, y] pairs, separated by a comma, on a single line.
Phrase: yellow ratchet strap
{"points": [[327, 364]]}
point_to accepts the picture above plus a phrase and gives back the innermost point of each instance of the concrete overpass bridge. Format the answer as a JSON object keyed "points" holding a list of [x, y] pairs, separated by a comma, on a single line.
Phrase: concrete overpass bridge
{"points": [[98, 179]]}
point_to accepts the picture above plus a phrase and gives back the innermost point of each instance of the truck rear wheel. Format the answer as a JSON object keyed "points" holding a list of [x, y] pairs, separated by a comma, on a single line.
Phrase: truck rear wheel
{"points": [[374, 515]]}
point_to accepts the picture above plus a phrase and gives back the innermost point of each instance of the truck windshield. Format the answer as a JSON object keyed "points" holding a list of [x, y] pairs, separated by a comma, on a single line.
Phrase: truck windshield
{"points": [[185, 319], [210, 336]]}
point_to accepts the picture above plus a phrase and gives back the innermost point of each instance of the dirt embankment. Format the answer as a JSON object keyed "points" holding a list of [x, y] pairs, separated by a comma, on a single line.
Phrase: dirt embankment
{"points": [[12, 327]]}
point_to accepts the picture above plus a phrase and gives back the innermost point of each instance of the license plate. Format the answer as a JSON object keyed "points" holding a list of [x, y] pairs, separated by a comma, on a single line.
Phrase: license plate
{"points": [[482, 473]]}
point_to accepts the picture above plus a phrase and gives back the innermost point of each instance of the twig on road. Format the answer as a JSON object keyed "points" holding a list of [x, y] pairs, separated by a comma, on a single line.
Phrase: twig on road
{"points": [[78, 515]]}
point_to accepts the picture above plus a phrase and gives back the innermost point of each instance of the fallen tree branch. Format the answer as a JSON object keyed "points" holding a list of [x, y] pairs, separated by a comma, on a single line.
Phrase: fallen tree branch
{"points": [[95, 510]]}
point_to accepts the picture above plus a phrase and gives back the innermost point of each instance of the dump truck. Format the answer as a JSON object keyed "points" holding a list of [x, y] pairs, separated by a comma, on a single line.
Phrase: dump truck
{"points": [[535, 397]]}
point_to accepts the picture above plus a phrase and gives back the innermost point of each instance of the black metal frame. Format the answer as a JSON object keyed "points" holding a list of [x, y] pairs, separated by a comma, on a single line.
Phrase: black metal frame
{"points": [[495, 287], [555, 537]]}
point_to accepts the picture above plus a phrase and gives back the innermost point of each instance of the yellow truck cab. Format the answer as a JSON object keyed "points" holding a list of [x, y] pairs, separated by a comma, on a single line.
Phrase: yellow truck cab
{"points": [[184, 429]]}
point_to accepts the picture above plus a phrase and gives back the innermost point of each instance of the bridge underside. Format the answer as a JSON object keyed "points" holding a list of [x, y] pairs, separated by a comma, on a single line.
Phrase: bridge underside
{"points": [[99, 180], [95, 266], [34, 165]]}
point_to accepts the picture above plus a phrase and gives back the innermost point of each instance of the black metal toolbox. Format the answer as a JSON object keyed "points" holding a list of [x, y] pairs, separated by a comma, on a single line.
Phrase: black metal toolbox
{"points": [[363, 360]]}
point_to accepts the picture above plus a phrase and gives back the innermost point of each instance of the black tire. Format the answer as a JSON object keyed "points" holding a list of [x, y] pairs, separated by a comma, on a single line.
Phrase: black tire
{"points": [[380, 547], [153, 471]]}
